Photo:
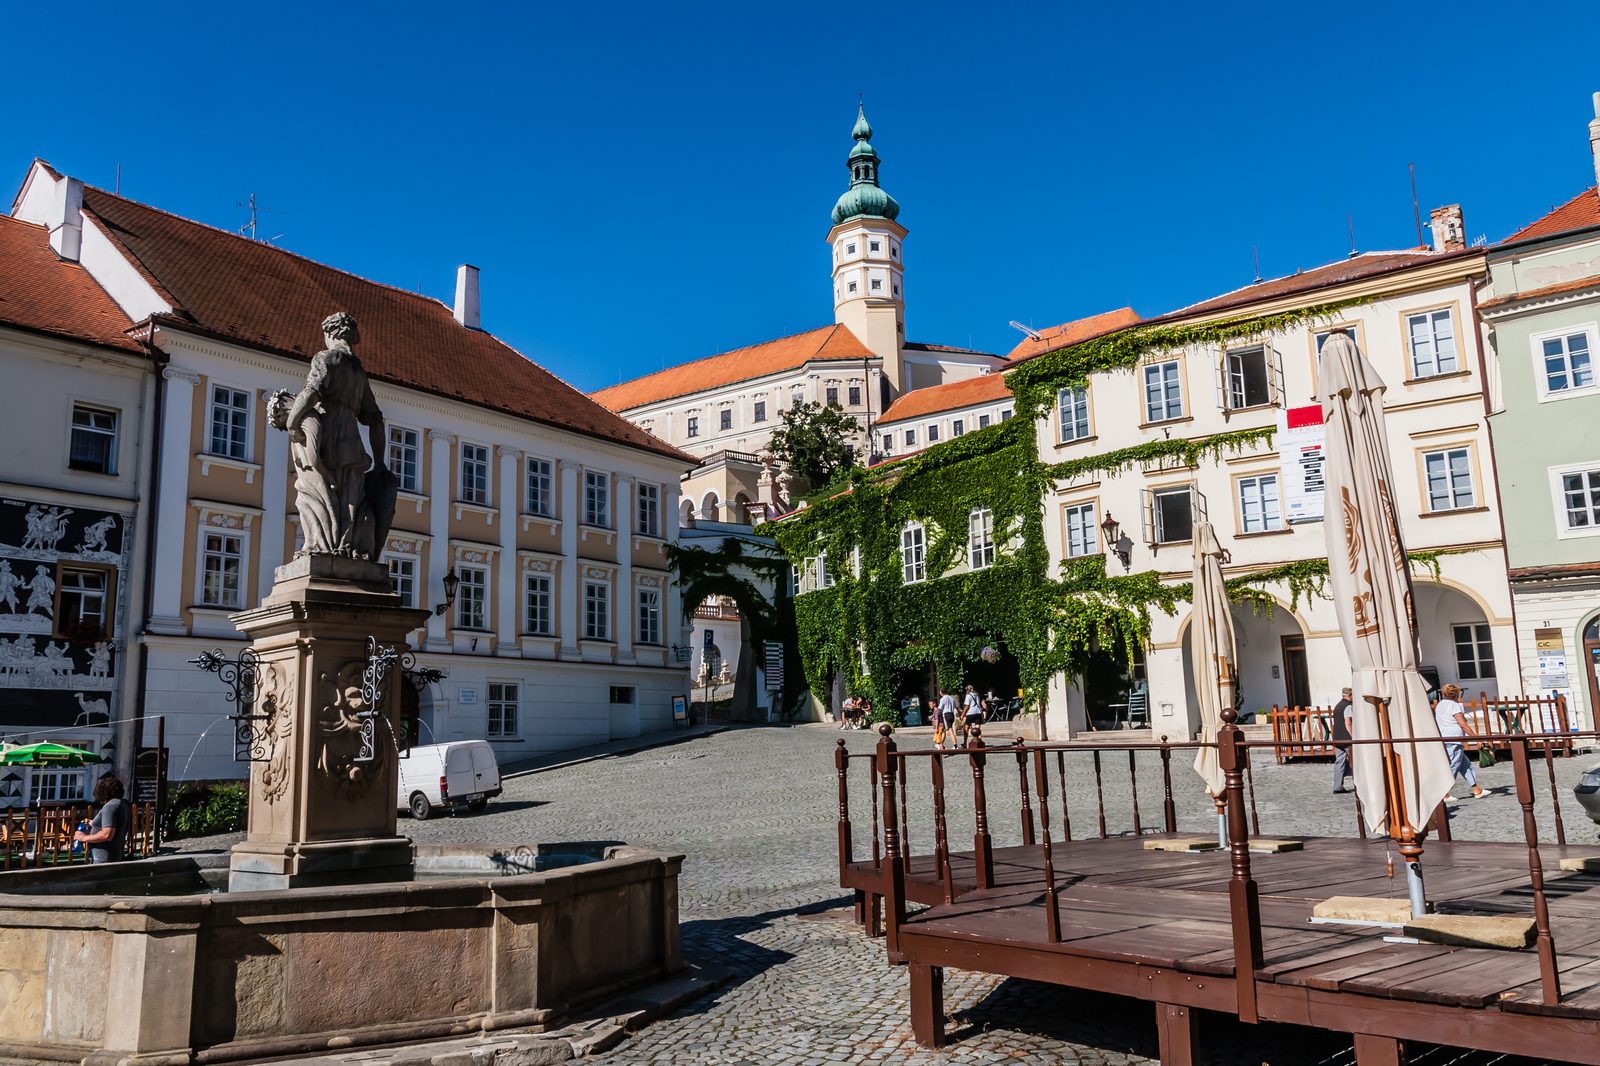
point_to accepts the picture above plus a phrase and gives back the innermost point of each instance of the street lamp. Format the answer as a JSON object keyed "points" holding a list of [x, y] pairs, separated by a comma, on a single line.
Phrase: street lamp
{"points": [[450, 584], [1120, 546]]}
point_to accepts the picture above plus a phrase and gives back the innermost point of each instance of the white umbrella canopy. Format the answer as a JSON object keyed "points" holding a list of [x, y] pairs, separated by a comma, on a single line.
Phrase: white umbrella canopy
{"points": [[1212, 650], [1370, 580]]}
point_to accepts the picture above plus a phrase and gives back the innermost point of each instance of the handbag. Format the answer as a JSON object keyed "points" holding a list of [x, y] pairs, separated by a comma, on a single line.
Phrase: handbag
{"points": [[1485, 758]]}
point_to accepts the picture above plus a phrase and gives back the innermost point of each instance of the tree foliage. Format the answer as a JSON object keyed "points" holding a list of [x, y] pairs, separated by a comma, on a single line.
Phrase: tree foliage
{"points": [[814, 441]]}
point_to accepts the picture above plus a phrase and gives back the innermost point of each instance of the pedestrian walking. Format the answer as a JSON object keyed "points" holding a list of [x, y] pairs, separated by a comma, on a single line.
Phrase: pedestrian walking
{"points": [[108, 833], [1452, 719], [973, 714], [1342, 721], [946, 715]]}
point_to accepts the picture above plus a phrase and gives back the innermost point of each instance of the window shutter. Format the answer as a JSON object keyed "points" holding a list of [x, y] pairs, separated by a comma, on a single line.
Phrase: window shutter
{"points": [[1280, 395], [1222, 381], [1197, 503], [1150, 520]]}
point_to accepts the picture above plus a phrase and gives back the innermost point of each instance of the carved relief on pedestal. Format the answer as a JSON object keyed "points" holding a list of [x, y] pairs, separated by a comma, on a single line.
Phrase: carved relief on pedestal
{"points": [[277, 707], [339, 733]]}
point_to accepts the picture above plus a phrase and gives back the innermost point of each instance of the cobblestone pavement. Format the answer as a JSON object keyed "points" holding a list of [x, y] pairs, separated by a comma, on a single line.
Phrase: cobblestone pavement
{"points": [[754, 811]]}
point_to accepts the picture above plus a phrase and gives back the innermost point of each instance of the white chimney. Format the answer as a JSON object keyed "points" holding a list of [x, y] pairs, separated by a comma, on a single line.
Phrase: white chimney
{"points": [[1449, 230], [66, 219], [467, 296], [1594, 137]]}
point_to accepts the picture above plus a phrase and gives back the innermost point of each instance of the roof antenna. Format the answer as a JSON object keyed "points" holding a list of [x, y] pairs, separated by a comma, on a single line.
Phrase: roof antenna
{"points": [[254, 208], [119, 179], [1415, 208], [1257, 253], [1352, 220]]}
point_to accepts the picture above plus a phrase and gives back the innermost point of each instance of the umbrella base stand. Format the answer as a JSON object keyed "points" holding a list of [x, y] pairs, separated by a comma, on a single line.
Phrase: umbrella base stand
{"points": [[1222, 830], [1419, 897]]}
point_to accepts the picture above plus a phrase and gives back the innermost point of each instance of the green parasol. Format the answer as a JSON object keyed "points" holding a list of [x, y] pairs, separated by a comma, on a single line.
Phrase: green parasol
{"points": [[46, 755]]}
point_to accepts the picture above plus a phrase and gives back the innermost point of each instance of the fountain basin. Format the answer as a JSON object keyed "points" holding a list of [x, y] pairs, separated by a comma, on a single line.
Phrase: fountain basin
{"points": [[163, 980]]}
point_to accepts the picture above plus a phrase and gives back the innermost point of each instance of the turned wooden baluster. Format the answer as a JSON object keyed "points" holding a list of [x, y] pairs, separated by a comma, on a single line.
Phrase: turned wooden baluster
{"points": [[1250, 778], [1052, 913], [982, 845], [941, 831], [841, 763], [1555, 800], [1133, 783], [1549, 977], [1099, 795], [1027, 805], [1243, 899], [1066, 813], [894, 865], [905, 822], [872, 790], [1169, 808]]}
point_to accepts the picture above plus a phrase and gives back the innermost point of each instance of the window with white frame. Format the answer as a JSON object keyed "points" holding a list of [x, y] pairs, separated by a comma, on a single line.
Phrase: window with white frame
{"points": [[912, 549], [474, 474], [403, 450], [230, 422], [980, 538], [1250, 378], [1433, 343], [832, 396], [759, 413], [958, 427], [1163, 391], [1567, 362], [57, 786], [502, 709], [537, 616], [855, 395], [649, 616], [596, 499], [220, 569], [1474, 651], [596, 611], [82, 613], [933, 432], [1448, 475], [1259, 508], [1081, 532], [911, 438], [1072, 405], [649, 497], [888, 443], [983, 421], [1169, 514], [855, 562], [725, 419], [1580, 499], [94, 440], [693, 427], [541, 481], [472, 597], [1005, 415], [403, 578], [824, 574]]}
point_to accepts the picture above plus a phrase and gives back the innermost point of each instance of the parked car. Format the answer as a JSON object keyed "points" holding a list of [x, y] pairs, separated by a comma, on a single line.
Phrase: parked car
{"points": [[463, 773], [1587, 791]]}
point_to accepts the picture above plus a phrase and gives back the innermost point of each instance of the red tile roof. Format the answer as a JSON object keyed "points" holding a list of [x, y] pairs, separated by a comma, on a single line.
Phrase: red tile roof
{"points": [[40, 292], [786, 353], [950, 396], [1074, 333], [250, 293], [1354, 268], [1549, 290], [1582, 210]]}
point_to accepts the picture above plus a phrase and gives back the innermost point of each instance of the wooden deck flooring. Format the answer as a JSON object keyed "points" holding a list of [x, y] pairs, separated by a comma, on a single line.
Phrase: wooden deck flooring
{"points": [[1156, 924]]}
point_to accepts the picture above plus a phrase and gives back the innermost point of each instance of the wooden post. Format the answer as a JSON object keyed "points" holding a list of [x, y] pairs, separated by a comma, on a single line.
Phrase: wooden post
{"points": [[982, 845], [1441, 821], [894, 864], [1066, 811], [1555, 798], [1177, 1035], [1133, 783], [1549, 977], [1379, 1050], [941, 830], [1052, 912], [1243, 899], [1250, 779], [905, 822], [1099, 795], [927, 1004], [1027, 806], [1169, 808], [841, 763]]}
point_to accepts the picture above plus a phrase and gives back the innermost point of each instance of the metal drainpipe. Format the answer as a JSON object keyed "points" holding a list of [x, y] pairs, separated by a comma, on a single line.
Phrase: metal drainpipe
{"points": [[1499, 504], [159, 358]]}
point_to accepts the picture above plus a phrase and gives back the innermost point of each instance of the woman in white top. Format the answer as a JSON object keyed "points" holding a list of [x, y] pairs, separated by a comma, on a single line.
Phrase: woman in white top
{"points": [[1452, 720]]}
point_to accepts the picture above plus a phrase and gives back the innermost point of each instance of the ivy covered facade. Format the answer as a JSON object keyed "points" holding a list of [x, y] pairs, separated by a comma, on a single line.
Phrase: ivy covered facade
{"points": [[1158, 426]]}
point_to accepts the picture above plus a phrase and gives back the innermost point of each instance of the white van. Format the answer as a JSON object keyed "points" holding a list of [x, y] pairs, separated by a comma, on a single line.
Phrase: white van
{"points": [[460, 774]]}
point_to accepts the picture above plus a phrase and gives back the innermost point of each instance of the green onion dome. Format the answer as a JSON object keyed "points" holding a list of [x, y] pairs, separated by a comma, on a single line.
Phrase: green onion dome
{"points": [[864, 197]]}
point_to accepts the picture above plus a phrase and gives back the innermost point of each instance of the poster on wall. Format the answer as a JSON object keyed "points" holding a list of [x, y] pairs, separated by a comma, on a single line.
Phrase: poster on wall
{"points": [[1301, 438], [774, 666], [1552, 648]]}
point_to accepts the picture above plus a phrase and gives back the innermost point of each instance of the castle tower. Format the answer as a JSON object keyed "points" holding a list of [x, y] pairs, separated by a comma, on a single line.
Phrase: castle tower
{"points": [[868, 263]]}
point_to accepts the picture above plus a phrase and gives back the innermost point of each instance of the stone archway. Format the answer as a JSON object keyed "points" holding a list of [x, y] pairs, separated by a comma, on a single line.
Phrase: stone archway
{"points": [[1456, 641], [1271, 653], [708, 507]]}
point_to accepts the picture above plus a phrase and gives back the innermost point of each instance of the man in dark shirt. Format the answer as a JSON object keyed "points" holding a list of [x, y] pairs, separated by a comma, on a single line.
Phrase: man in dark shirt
{"points": [[108, 833], [1341, 731]]}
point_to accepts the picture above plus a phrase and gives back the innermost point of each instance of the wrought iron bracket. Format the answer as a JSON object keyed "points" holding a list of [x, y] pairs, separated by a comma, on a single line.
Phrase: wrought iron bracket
{"points": [[239, 674], [381, 658]]}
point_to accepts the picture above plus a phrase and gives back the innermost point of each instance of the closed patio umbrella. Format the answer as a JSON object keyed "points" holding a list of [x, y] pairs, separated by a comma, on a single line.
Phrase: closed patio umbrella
{"points": [[1212, 650], [1369, 577]]}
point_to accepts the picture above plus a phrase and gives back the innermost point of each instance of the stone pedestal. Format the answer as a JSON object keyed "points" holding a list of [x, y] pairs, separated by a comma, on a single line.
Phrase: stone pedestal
{"points": [[318, 814]]}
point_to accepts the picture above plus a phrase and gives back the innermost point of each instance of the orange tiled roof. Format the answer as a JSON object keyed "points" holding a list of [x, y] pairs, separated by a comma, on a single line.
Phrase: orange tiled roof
{"points": [[41, 292], [230, 287], [1074, 333], [950, 396], [1582, 210], [741, 364]]}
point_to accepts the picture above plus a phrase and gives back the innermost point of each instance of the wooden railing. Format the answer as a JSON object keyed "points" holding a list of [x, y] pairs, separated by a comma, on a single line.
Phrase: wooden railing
{"points": [[1307, 732], [888, 788], [42, 836]]}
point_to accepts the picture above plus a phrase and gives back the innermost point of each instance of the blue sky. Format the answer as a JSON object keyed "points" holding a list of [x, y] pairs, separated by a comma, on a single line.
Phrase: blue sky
{"points": [[644, 184]]}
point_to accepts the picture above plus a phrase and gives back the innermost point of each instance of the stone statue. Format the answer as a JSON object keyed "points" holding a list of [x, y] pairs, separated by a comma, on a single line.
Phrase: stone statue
{"points": [[346, 499]]}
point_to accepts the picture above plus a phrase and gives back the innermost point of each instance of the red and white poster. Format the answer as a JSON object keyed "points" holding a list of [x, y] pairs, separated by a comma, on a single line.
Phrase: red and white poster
{"points": [[1300, 451]]}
